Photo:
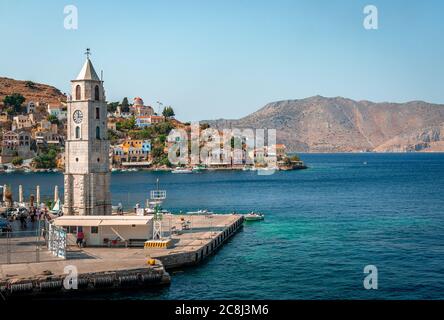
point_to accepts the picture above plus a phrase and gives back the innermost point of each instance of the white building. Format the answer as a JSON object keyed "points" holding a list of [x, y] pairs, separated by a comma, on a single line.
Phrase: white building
{"points": [[22, 122], [112, 231]]}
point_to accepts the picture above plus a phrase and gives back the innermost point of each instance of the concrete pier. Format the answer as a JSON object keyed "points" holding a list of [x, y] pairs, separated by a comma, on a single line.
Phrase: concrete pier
{"points": [[48, 277], [207, 235], [194, 238]]}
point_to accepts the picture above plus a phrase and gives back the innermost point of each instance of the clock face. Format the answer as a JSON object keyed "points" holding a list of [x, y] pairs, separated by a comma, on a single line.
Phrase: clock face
{"points": [[77, 116]]}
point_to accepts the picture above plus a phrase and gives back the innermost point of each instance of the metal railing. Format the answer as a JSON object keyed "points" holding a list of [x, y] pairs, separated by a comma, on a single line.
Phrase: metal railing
{"points": [[25, 246]]}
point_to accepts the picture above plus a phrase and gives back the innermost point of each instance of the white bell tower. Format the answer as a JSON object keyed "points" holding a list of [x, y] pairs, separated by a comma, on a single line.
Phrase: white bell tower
{"points": [[87, 175]]}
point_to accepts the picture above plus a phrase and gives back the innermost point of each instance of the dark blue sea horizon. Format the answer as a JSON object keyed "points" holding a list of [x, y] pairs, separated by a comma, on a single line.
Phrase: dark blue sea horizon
{"points": [[323, 225]]}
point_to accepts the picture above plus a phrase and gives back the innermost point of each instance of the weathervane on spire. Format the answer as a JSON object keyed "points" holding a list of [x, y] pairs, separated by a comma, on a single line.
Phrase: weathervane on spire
{"points": [[88, 52]]}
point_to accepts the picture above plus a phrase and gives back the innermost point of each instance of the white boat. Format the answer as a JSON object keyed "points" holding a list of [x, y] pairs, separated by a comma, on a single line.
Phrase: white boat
{"points": [[10, 170], [114, 169], [56, 209], [182, 170], [27, 170], [254, 216], [268, 169], [198, 168]]}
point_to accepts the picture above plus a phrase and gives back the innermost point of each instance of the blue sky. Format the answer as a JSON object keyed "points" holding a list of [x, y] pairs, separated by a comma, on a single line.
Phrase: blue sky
{"points": [[228, 58]]}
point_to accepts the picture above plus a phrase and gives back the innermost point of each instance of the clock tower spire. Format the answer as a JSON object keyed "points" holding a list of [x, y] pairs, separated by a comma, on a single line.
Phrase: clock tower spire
{"points": [[87, 175]]}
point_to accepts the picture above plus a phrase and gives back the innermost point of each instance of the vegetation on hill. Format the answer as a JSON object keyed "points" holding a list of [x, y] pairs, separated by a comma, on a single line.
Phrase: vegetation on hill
{"points": [[125, 105], [31, 91], [168, 112], [53, 119], [17, 161], [47, 159], [13, 102], [112, 106]]}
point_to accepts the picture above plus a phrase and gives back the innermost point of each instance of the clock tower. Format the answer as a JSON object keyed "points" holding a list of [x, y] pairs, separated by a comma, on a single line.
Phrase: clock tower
{"points": [[87, 175]]}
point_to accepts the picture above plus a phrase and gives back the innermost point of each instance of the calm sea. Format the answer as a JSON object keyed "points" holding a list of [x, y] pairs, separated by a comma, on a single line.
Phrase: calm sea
{"points": [[323, 226]]}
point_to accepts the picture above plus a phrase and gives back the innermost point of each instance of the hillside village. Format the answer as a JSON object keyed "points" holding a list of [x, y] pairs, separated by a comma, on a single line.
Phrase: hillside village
{"points": [[33, 130]]}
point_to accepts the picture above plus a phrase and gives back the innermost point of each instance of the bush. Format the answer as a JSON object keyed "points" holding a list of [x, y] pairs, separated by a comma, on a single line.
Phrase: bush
{"points": [[127, 124], [112, 135], [30, 84], [47, 160], [53, 119], [14, 101], [17, 161]]}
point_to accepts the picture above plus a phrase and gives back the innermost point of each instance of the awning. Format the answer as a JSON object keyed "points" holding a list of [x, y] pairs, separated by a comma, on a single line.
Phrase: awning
{"points": [[77, 223], [123, 222], [91, 221]]}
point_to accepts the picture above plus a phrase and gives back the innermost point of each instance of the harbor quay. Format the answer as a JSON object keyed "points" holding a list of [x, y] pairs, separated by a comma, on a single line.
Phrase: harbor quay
{"points": [[193, 238]]}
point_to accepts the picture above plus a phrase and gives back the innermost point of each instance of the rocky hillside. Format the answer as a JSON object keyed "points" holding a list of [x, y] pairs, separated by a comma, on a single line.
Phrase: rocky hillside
{"points": [[34, 92], [320, 124]]}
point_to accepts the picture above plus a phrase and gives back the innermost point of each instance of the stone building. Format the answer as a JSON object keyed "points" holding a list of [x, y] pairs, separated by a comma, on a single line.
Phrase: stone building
{"points": [[16, 144], [139, 109], [23, 122], [87, 175]]}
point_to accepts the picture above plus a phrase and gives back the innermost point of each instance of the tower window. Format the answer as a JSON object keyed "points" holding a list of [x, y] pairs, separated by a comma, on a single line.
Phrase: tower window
{"points": [[77, 132], [96, 93], [97, 133], [78, 92], [97, 113]]}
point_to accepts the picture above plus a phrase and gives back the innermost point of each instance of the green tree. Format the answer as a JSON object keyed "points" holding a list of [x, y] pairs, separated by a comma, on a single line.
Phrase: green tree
{"points": [[17, 161], [168, 112], [47, 160], [127, 124], [53, 119], [15, 101], [112, 106], [162, 128], [30, 84], [112, 135], [157, 152], [125, 105]]}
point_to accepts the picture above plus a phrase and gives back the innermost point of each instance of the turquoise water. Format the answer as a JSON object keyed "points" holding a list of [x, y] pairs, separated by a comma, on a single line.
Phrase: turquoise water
{"points": [[322, 226]]}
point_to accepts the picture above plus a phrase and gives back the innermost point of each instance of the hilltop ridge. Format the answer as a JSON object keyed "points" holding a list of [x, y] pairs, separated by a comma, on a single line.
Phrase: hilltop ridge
{"points": [[321, 124]]}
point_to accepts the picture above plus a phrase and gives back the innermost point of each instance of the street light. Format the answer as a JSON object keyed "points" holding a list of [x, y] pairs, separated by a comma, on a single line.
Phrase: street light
{"points": [[159, 104]]}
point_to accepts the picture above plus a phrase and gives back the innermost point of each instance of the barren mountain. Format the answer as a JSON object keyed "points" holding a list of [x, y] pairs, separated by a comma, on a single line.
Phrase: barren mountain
{"points": [[320, 124], [35, 92]]}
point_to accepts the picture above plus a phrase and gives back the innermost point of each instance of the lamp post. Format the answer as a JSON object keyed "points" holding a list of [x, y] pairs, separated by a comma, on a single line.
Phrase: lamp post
{"points": [[160, 104]]}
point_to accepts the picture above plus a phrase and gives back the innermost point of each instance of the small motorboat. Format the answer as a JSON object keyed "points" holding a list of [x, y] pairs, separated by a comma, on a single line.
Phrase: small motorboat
{"points": [[182, 170], [198, 168], [254, 216]]}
